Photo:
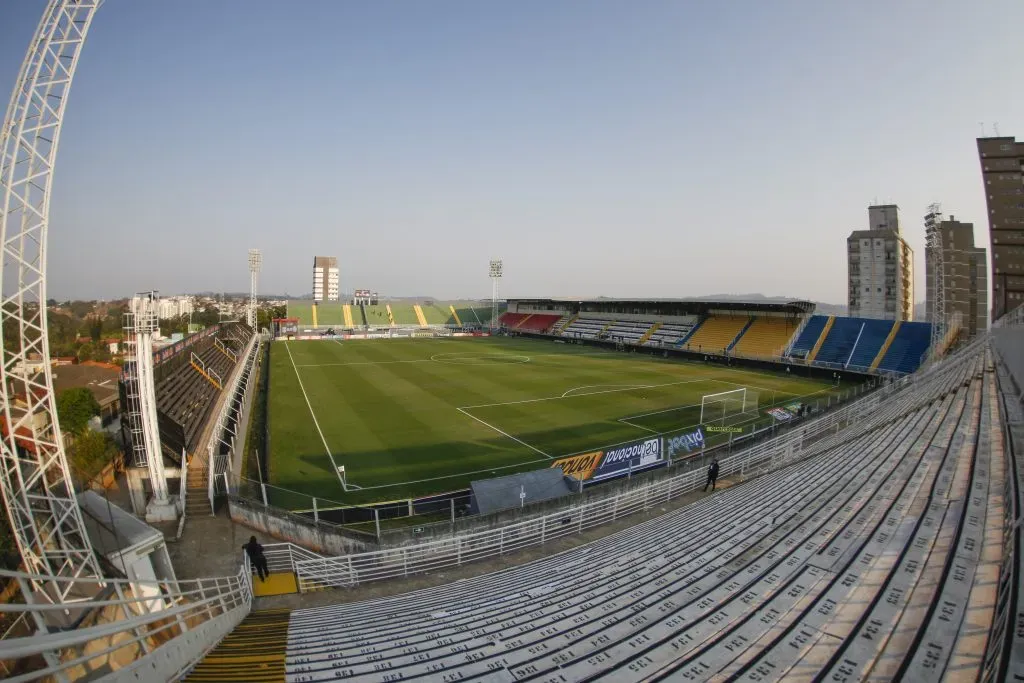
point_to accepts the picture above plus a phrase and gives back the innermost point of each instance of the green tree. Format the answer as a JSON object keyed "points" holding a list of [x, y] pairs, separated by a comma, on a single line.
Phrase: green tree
{"points": [[74, 409], [90, 452]]}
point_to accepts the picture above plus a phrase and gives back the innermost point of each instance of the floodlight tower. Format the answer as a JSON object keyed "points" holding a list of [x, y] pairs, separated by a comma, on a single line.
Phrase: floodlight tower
{"points": [[936, 272], [495, 273], [141, 322], [34, 474], [255, 263]]}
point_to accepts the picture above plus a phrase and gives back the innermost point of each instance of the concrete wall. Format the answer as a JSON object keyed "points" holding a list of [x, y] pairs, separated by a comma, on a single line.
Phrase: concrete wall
{"points": [[321, 538]]}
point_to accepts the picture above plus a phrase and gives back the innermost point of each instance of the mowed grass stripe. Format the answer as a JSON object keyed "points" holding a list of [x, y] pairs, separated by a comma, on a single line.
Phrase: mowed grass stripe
{"points": [[394, 423]]}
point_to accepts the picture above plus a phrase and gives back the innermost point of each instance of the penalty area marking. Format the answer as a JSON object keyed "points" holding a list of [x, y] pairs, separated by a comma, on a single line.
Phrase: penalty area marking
{"points": [[313, 415], [489, 425]]}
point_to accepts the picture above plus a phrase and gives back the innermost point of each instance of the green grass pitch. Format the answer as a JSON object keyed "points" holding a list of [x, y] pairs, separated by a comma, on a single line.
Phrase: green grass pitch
{"points": [[419, 416]]}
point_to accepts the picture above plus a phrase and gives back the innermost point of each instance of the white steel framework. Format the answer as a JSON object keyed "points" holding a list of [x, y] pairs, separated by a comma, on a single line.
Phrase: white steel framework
{"points": [[937, 273], [494, 271], [34, 474], [255, 264]]}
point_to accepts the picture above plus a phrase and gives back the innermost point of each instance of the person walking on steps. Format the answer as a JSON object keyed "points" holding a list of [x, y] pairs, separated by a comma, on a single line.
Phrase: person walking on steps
{"points": [[712, 475], [255, 552]]}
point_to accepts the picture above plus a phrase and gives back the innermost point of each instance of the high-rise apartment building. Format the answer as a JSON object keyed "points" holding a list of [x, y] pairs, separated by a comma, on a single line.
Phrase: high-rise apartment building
{"points": [[880, 266], [1002, 165], [325, 278], [965, 273]]}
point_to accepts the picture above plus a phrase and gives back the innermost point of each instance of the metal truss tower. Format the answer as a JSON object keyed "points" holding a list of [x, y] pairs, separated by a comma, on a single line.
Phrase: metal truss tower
{"points": [[936, 273], [495, 272], [34, 474], [255, 264], [141, 323]]}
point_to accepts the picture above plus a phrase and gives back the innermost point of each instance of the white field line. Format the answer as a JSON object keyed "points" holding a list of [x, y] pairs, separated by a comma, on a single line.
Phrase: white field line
{"points": [[596, 386], [369, 362], [327, 448], [592, 393], [487, 424]]}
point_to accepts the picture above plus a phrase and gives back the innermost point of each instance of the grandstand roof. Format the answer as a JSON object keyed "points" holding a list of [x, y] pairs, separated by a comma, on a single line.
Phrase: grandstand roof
{"points": [[764, 304]]}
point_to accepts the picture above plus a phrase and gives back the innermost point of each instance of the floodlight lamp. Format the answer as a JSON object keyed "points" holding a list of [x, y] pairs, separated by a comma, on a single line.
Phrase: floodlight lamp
{"points": [[495, 268]]}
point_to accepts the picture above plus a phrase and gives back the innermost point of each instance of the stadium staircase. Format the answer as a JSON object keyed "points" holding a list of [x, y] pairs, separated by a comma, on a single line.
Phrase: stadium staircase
{"points": [[420, 318], [821, 338], [209, 373], [346, 312], [362, 314], [254, 651], [716, 333], [455, 314], [885, 346], [391, 316], [225, 350], [808, 337], [560, 328], [766, 337], [314, 311], [649, 333]]}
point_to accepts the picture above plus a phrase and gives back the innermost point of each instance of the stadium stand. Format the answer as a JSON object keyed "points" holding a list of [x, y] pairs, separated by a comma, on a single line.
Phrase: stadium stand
{"points": [[186, 395], [809, 336], [587, 328], [716, 333], [435, 314], [376, 316], [766, 336], [907, 348], [873, 559], [628, 331], [538, 322], [839, 341], [872, 335], [404, 314], [672, 333]]}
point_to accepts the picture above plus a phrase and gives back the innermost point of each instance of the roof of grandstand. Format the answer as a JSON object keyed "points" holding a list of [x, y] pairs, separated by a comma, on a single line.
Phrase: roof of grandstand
{"points": [[765, 304]]}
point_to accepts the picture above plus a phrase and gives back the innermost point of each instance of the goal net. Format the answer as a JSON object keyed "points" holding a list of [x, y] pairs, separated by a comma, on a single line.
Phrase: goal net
{"points": [[728, 407]]}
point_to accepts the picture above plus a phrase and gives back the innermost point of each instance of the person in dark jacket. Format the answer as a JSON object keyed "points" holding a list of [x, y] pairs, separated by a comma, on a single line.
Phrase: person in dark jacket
{"points": [[255, 552], [712, 475]]}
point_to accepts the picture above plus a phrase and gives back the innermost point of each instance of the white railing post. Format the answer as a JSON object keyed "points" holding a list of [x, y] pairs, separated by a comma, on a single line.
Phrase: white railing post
{"points": [[263, 490], [316, 515]]}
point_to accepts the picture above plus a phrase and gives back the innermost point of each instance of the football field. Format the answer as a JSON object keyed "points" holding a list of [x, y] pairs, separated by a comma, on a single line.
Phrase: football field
{"points": [[411, 417]]}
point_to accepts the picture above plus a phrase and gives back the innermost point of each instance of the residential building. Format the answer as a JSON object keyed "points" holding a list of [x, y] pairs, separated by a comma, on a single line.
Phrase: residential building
{"points": [[965, 274], [325, 278], [1002, 165], [880, 266]]}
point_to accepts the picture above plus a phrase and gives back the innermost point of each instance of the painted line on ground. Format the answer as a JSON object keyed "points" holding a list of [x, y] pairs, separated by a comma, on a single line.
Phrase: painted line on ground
{"points": [[593, 393], [368, 362], [596, 386], [327, 448], [487, 424]]}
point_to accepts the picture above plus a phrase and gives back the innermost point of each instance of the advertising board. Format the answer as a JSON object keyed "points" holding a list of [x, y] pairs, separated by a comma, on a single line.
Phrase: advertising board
{"points": [[679, 444], [610, 463]]}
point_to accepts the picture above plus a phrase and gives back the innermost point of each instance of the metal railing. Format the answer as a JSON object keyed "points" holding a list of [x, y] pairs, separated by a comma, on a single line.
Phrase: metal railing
{"points": [[145, 630], [219, 464]]}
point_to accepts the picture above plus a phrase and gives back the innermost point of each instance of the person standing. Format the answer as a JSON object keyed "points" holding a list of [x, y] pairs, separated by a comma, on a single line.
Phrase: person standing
{"points": [[255, 552], [712, 475]]}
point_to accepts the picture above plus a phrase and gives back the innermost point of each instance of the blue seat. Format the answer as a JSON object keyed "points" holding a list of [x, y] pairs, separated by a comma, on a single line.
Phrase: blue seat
{"points": [[872, 336], [809, 335], [840, 340], [907, 348]]}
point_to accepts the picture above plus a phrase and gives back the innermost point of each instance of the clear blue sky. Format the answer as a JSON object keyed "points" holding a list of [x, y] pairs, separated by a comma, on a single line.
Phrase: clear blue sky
{"points": [[601, 148]]}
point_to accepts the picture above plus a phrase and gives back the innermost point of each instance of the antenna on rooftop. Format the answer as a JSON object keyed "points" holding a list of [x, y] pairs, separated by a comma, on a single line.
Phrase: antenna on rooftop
{"points": [[995, 127]]}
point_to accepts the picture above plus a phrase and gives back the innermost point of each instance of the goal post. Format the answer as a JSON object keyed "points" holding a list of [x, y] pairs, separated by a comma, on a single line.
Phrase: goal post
{"points": [[728, 407]]}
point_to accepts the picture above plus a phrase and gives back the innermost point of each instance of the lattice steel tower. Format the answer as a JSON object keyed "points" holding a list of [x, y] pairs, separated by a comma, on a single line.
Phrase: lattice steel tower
{"points": [[255, 264], [34, 474], [495, 273], [936, 273]]}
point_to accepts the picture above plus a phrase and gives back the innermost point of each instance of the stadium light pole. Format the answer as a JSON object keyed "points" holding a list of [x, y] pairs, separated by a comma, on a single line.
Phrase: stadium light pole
{"points": [[495, 273], [255, 263]]}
